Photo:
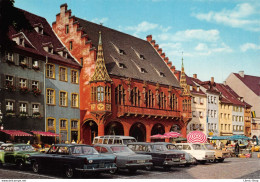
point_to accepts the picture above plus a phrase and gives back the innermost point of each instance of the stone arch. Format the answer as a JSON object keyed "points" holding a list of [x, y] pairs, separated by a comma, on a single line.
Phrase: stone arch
{"points": [[158, 128], [114, 128], [138, 131], [89, 131]]}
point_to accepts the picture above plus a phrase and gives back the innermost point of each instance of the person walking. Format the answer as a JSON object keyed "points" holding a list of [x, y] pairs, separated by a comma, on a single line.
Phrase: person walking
{"points": [[236, 148]]}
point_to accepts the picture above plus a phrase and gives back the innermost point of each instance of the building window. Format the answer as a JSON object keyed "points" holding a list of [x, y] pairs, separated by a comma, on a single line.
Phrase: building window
{"points": [[201, 114], [9, 80], [221, 126], [50, 71], [50, 96], [63, 123], [10, 56], [162, 102], [35, 108], [150, 99], [22, 60], [100, 94], [35, 84], [66, 29], [107, 94], [35, 64], [74, 124], [74, 76], [135, 97], [173, 102], [23, 107], [63, 98], [70, 45], [120, 95], [74, 100], [23, 83], [9, 106], [51, 122], [63, 73]]}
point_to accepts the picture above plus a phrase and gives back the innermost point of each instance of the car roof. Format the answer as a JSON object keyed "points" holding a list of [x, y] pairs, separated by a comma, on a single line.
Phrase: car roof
{"points": [[110, 145], [70, 145], [115, 136]]}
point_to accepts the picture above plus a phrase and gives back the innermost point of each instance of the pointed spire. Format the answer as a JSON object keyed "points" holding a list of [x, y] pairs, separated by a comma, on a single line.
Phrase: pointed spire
{"points": [[183, 81], [100, 73]]}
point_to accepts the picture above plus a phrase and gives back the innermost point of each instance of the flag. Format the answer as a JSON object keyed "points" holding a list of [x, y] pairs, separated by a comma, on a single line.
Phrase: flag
{"points": [[253, 114]]}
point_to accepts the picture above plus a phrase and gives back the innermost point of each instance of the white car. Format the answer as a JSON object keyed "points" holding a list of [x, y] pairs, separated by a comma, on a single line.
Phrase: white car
{"points": [[197, 151]]}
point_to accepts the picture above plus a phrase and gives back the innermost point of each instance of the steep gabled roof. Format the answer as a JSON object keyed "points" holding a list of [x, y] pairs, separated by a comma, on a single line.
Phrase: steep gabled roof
{"points": [[37, 40], [121, 49], [252, 82]]}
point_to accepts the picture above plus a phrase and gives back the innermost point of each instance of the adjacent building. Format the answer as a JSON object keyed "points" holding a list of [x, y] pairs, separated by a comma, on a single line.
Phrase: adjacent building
{"points": [[127, 85]]}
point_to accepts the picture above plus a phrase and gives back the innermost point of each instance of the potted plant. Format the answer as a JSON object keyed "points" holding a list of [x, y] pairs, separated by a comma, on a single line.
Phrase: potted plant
{"points": [[10, 87], [10, 113], [36, 115], [23, 114], [36, 91], [24, 90]]}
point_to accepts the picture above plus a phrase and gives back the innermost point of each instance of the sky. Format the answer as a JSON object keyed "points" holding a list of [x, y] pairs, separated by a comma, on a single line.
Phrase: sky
{"points": [[214, 37]]}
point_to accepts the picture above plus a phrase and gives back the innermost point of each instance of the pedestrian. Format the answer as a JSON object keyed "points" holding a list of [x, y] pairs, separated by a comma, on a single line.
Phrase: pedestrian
{"points": [[236, 148], [222, 146], [249, 145]]}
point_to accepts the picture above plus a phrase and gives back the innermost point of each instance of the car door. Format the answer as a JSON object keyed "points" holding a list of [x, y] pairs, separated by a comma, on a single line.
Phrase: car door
{"points": [[9, 155], [49, 160]]}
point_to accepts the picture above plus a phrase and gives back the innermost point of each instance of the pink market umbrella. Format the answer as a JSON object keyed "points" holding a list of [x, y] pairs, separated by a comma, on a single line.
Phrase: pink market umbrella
{"points": [[158, 136], [172, 134], [196, 137]]}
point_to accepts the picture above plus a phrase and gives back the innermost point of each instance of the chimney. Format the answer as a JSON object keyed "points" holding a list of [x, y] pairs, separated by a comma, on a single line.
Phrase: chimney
{"points": [[156, 46], [212, 80], [166, 59], [241, 73], [163, 55], [149, 38], [63, 8], [153, 42], [194, 75]]}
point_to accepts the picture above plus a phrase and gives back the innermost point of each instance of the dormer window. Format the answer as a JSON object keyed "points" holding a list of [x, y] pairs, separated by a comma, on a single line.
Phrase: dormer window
{"points": [[121, 65], [21, 41], [120, 51], [38, 28], [143, 70], [162, 74], [48, 47], [62, 52], [140, 56]]}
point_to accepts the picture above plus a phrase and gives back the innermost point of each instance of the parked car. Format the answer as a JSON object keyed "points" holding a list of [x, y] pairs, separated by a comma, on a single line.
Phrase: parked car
{"points": [[72, 159], [198, 151], [220, 155], [113, 139], [16, 154], [1, 143], [190, 160], [161, 156], [125, 157]]}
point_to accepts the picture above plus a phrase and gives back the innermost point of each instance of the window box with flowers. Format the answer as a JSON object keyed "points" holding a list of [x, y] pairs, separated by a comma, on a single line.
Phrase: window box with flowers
{"points": [[36, 91], [10, 87], [24, 90], [23, 115], [36, 115], [35, 67], [10, 113]]}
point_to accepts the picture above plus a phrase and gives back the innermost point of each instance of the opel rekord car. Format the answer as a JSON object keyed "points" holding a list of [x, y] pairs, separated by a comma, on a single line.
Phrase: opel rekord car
{"points": [[198, 151], [16, 154], [220, 155], [72, 159], [161, 156], [125, 157]]}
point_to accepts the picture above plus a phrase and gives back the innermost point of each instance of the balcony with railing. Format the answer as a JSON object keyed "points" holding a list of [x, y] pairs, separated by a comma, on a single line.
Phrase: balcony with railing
{"points": [[124, 110]]}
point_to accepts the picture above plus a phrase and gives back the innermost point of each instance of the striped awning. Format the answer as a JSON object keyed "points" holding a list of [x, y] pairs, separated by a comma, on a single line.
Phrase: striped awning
{"points": [[45, 133], [15, 133]]}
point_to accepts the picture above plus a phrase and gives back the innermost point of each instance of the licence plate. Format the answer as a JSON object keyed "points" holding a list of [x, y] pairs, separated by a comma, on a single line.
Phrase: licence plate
{"points": [[140, 161], [175, 160], [101, 165]]}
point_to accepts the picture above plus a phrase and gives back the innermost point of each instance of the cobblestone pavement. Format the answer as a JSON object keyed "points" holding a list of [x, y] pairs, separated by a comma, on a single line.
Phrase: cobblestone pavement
{"points": [[232, 168]]}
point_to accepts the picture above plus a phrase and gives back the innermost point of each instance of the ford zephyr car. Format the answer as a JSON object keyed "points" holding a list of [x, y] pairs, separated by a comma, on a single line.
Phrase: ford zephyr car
{"points": [[125, 157], [220, 155], [161, 156], [72, 159], [16, 154]]}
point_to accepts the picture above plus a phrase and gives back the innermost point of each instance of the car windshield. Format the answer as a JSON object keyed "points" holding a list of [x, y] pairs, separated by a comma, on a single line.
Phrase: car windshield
{"points": [[23, 148], [160, 148], [126, 141], [197, 147], [119, 149], [172, 147], [209, 147], [83, 150]]}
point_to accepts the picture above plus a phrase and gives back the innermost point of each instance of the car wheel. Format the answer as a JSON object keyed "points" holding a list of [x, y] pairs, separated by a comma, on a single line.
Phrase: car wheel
{"points": [[212, 160], [35, 167], [113, 171], [20, 165], [132, 171], [69, 172], [220, 160], [149, 168]]}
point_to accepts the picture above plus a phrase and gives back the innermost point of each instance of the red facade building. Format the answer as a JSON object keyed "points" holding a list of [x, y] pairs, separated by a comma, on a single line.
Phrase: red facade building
{"points": [[127, 85]]}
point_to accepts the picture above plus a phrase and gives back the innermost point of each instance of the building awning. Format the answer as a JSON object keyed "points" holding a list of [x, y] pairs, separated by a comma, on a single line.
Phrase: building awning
{"points": [[15, 133], [44, 133]]}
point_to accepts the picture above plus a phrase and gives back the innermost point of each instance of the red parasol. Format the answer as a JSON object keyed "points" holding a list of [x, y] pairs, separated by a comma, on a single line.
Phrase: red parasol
{"points": [[172, 134], [196, 137], [158, 136]]}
